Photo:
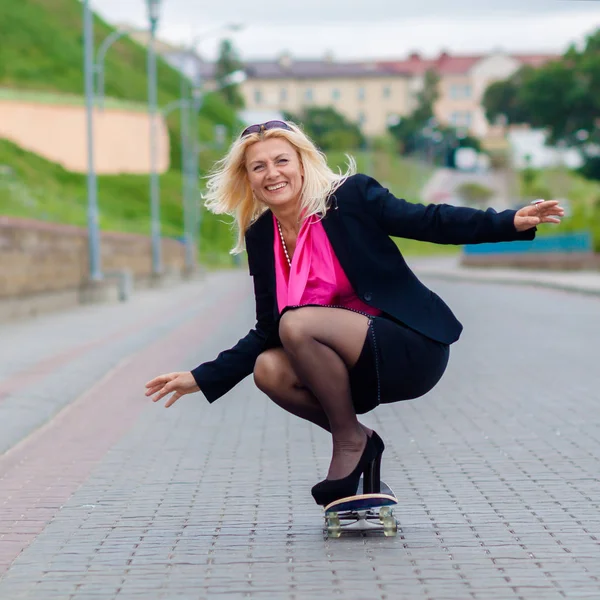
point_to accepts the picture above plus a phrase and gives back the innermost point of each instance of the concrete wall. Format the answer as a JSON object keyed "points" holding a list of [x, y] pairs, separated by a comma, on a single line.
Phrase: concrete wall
{"points": [[58, 133], [44, 266]]}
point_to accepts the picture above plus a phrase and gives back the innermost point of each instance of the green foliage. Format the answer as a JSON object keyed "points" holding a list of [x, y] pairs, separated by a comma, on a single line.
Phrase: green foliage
{"points": [[562, 96], [409, 131], [427, 97], [582, 197], [328, 129], [591, 168], [228, 62], [501, 99], [421, 134]]}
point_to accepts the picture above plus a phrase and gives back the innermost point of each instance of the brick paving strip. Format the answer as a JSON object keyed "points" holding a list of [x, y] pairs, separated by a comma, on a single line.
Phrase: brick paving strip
{"points": [[38, 475]]}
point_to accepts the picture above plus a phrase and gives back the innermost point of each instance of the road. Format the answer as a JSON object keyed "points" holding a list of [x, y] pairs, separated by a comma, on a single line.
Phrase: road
{"points": [[106, 495]]}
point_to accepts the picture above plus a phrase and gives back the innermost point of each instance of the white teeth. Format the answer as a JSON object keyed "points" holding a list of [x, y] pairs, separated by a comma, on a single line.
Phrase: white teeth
{"points": [[272, 188]]}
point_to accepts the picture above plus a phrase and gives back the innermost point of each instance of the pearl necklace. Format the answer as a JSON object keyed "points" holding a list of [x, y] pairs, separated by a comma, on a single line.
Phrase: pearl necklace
{"points": [[283, 244]]}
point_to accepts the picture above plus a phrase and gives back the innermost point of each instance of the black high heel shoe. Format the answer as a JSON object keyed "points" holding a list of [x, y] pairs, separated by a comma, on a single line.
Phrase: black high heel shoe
{"points": [[329, 490], [372, 477]]}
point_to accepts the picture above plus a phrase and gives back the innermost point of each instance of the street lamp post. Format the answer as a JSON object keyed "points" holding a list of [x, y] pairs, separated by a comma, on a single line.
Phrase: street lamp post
{"points": [[183, 104], [194, 172], [153, 14], [187, 191], [95, 271], [99, 63]]}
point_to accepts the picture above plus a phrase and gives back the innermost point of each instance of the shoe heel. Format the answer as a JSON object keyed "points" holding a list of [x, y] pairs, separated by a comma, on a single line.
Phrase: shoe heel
{"points": [[371, 477]]}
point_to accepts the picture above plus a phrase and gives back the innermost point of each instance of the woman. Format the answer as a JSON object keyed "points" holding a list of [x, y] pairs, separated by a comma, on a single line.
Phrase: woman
{"points": [[342, 322]]}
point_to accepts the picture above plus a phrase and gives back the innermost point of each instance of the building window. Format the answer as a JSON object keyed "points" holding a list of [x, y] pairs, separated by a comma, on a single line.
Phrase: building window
{"points": [[461, 118], [257, 96], [283, 94], [361, 93], [362, 119], [387, 91], [336, 94], [460, 92], [308, 94]]}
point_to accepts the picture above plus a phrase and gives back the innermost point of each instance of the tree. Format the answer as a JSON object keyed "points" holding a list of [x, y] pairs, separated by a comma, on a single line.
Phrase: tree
{"points": [[501, 99], [227, 63], [562, 96], [329, 129], [427, 97], [411, 132]]}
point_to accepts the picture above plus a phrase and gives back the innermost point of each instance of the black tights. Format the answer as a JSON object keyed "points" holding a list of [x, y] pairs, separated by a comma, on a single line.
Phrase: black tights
{"points": [[308, 377]]}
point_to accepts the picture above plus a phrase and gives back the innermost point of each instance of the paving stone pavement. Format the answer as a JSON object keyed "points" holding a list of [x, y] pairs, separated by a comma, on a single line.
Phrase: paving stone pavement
{"points": [[497, 469]]}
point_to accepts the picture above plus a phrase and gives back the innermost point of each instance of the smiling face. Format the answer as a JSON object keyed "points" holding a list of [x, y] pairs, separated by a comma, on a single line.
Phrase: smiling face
{"points": [[274, 172]]}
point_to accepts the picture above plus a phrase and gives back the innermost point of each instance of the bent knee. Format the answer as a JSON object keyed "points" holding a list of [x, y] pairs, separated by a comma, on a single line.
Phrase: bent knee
{"points": [[272, 371], [295, 326]]}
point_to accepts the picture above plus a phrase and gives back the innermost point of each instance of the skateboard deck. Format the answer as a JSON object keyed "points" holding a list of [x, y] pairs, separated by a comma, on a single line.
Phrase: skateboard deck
{"points": [[363, 512]]}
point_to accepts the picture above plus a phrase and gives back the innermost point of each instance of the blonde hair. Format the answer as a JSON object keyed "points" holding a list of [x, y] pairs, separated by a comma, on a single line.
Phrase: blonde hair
{"points": [[229, 192]]}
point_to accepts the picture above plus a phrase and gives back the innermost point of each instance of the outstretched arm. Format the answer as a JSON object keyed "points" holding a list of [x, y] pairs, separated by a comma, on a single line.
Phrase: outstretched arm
{"points": [[218, 376], [446, 224]]}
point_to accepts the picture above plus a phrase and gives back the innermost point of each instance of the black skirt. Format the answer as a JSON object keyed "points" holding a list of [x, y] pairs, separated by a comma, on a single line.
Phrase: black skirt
{"points": [[396, 363]]}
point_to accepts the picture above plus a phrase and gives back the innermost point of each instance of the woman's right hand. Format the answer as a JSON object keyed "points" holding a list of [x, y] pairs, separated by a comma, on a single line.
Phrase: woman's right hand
{"points": [[181, 383]]}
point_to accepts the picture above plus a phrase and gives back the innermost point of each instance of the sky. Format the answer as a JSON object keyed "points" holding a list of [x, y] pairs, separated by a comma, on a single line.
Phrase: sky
{"points": [[365, 29]]}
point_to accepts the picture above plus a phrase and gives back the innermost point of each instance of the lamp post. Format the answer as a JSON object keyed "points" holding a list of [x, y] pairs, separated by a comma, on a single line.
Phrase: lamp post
{"points": [[95, 271], [192, 172], [153, 15], [183, 104], [99, 64]]}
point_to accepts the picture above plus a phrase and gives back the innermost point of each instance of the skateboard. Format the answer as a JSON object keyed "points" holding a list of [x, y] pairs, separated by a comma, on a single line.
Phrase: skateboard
{"points": [[363, 512]]}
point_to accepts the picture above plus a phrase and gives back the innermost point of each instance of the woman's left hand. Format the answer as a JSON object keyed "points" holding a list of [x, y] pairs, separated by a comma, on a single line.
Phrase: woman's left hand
{"points": [[546, 211]]}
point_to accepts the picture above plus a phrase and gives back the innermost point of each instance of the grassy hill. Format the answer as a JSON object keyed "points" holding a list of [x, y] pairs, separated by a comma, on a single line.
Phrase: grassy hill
{"points": [[41, 58], [33, 187]]}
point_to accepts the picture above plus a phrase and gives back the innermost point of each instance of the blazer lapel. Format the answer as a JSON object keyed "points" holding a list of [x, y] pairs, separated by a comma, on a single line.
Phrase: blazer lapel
{"points": [[265, 239]]}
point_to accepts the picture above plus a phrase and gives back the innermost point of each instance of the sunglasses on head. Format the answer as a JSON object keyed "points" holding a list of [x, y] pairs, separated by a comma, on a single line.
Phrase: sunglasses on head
{"points": [[259, 128]]}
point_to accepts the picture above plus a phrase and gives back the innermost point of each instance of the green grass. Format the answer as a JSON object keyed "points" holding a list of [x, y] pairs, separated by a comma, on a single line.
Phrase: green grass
{"points": [[42, 50], [35, 188]]}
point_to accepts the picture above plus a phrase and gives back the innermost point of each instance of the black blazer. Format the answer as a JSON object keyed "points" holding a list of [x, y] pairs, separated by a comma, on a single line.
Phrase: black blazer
{"points": [[362, 217]]}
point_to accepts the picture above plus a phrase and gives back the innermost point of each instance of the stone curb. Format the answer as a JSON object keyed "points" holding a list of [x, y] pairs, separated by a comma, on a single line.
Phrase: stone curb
{"points": [[573, 287]]}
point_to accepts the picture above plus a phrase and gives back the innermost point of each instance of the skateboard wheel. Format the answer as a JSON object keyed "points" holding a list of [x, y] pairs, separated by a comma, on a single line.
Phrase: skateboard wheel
{"points": [[334, 528], [385, 512], [387, 519], [390, 531]]}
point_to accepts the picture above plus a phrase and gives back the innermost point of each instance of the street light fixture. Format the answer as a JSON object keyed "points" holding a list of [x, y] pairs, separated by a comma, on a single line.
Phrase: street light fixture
{"points": [[153, 13], [153, 16]]}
